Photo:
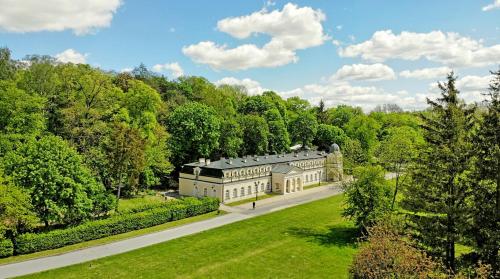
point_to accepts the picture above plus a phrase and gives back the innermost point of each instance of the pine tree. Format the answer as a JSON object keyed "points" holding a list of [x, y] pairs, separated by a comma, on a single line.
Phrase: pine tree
{"points": [[439, 192], [485, 229]]}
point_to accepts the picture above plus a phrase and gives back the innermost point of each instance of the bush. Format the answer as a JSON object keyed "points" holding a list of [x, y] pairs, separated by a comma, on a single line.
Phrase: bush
{"points": [[387, 254], [6, 248], [31, 242]]}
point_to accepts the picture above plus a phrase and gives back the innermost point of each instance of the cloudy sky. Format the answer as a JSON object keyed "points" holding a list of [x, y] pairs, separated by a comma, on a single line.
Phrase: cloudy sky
{"points": [[359, 52]]}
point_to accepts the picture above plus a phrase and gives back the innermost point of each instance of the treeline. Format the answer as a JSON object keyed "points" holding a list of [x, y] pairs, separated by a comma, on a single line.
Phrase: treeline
{"points": [[446, 221], [74, 138]]}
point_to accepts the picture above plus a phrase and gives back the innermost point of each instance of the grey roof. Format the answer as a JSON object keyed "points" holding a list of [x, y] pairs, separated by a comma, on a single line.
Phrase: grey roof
{"points": [[250, 161], [285, 168]]}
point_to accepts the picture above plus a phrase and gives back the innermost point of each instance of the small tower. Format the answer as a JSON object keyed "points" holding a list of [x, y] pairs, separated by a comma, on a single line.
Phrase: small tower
{"points": [[334, 167]]}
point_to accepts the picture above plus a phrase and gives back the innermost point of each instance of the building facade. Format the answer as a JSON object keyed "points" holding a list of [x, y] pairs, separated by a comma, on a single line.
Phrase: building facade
{"points": [[234, 179]]}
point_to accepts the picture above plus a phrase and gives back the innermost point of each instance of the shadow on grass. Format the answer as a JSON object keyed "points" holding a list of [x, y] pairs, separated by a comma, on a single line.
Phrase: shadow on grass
{"points": [[334, 236]]}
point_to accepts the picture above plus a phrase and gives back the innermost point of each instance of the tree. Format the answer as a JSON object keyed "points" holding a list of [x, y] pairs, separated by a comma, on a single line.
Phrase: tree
{"points": [[304, 128], [440, 190], [328, 134], [62, 189], [342, 114], [365, 129], [256, 135], [388, 108], [397, 150], [16, 211], [486, 194], [7, 65], [231, 138], [279, 140], [321, 113], [195, 133], [368, 197], [353, 155]]}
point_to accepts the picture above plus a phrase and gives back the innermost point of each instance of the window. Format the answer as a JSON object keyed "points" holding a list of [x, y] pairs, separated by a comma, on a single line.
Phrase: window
{"points": [[307, 178], [235, 193], [242, 192], [227, 195], [205, 191], [268, 186], [310, 177], [277, 186], [315, 176], [249, 190], [262, 187]]}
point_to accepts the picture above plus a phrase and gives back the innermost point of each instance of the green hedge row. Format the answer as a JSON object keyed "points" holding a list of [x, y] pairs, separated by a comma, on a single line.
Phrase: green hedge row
{"points": [[6, 248], [31, 242]]}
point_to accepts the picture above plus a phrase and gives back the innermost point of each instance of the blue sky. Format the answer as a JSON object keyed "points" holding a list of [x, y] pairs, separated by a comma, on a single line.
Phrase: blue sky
{"points": [[356, 52]]}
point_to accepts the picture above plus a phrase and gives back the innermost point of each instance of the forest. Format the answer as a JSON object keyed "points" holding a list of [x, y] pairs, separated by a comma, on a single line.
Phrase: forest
{"points": [[75, 139]]}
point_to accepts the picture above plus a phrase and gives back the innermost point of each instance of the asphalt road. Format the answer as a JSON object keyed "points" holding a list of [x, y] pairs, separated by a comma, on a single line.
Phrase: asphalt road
{"points": [[236, 214]]}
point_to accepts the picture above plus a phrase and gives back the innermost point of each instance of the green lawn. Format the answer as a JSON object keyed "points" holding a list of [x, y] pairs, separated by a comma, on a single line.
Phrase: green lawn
{"points": [[307, 241], [132, 203]]}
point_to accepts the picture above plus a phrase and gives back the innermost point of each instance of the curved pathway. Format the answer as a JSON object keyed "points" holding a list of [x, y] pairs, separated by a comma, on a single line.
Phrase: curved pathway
{"points": [[236, 214]]}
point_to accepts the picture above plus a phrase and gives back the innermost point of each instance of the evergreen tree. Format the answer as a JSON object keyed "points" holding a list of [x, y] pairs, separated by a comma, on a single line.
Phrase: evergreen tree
{"points": [[439, 192], [485, 228]]}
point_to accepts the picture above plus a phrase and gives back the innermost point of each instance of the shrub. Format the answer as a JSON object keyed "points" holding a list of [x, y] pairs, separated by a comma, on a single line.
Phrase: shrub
{"points": [[31, 242], [387, 254], [6, 248]]}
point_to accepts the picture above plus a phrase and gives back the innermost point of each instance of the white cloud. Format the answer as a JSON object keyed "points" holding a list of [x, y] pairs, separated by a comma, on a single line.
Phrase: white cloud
{"points": [[426, 73], [471, 87], [174, 68], [253, 87], [446, 48], [492, 6], [336, 42], [83, 16], [71, 56], [290, 29], [334, 93], [126, 70], [339, 27], [371, 72]]}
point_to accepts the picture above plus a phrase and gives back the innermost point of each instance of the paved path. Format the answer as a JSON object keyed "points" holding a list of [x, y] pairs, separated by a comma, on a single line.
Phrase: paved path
{"points": [[238, 213]]}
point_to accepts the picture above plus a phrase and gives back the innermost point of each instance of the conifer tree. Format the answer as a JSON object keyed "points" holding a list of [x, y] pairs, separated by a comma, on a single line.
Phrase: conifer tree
{"points": [[485, 229], [439, 192]]}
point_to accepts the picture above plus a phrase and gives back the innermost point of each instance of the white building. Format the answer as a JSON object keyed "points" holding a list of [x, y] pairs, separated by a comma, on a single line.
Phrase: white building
{"points": [[234, 179]]}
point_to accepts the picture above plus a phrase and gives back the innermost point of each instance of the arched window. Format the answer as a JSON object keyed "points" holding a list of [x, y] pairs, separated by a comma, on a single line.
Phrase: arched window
{"points": [[262, 187], [227, 195], [242, 191], [315, 176], [249, 190], [205, 191], [235, 193], [307, 178], [311, 177], [268, 186]]}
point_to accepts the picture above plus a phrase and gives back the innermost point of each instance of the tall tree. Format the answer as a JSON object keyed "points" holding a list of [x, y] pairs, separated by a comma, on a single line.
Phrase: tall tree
{"points": [[486, 208], [328, 134], [256, 135], [321, 113], [195, 132], [62, 189], [279, 140], [7, 65], [440, 190], [396, 151], [231, 138], [303, 128]]}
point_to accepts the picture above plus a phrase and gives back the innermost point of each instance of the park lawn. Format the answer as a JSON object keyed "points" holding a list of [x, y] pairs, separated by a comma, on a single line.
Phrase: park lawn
{"points": [[132, 203], [110, 239], [306, 241]]}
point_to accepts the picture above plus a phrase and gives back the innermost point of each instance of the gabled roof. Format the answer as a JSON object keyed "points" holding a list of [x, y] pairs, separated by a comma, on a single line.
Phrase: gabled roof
{"points": [[285, 169]]}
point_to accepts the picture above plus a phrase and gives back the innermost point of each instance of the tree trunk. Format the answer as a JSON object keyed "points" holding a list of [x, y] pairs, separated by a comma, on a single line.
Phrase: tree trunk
{"points": [[395, 190]]}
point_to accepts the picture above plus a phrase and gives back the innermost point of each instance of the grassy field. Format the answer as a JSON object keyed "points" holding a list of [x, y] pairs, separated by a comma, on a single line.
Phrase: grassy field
{"points": [[307, 241], [129, 204]]}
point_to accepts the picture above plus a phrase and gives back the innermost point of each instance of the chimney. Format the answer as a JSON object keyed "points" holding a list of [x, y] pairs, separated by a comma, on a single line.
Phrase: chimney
{"points": [[207, 162], [201, 160], [230, 161]]}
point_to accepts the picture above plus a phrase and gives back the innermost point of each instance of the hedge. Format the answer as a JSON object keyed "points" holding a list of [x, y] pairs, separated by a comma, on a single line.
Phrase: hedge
{"points": [[6, 248], [117, 224]]}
